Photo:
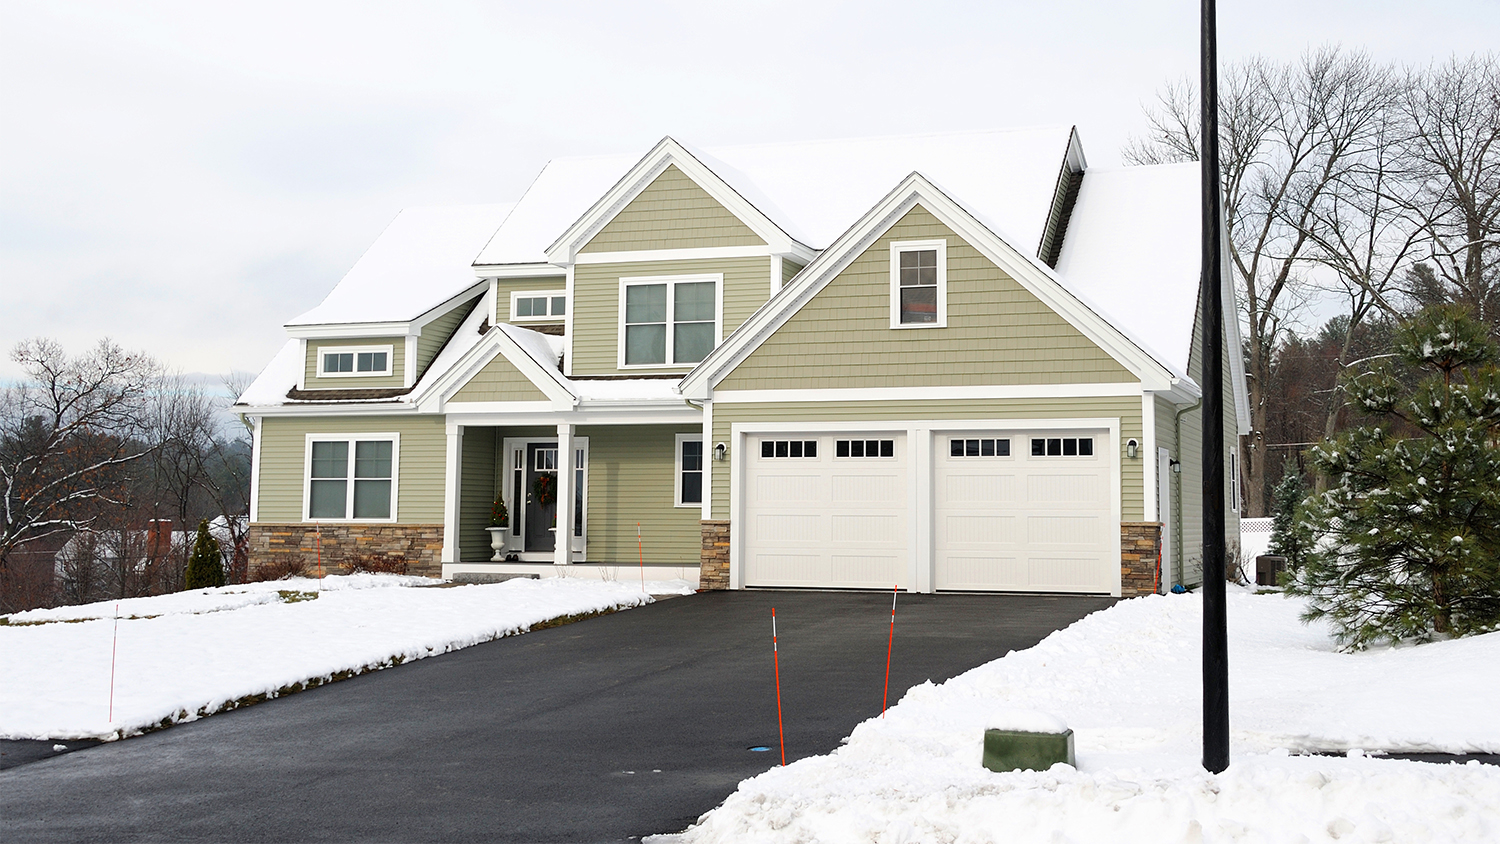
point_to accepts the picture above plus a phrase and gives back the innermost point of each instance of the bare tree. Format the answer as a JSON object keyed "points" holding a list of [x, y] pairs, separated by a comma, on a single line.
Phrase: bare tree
{"points": [[68, 433]]}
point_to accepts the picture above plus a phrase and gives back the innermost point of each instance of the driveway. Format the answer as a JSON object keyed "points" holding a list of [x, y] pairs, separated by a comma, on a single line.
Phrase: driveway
{"points": [[605, 730]]}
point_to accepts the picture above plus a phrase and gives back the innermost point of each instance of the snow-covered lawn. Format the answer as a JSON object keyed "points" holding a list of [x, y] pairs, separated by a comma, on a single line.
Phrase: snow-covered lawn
{"points": [[1127, 681], [178, 657]]}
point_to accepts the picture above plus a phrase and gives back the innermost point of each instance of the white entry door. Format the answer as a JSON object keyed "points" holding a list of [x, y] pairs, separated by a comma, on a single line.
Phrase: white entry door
{"points": [[1025, 511], [826, 510]]}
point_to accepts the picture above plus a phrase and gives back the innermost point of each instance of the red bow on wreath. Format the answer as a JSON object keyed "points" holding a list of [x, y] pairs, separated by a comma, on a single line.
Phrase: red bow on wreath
{"points": [[544, 489]]}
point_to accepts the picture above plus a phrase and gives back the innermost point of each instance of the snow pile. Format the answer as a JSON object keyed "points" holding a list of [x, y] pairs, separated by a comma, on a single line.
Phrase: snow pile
{"points": [[1127, 681], [190, 654]]}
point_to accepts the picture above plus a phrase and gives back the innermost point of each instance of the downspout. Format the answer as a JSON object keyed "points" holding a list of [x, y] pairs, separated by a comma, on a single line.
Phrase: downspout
{"points": [[1177, 503]]}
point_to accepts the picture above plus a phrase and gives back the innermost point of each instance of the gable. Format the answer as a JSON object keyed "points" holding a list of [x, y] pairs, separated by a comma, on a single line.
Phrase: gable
{"points": [[498, 381], [673, 212], [997, 331]]}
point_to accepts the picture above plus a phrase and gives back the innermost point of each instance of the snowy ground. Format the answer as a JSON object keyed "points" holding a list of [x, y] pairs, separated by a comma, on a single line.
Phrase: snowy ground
{"points": [[179, 657], [1127, 681]]}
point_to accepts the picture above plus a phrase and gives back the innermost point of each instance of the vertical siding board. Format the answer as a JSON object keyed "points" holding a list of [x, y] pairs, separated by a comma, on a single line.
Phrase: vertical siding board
{"points": [[396, 379], [673, 212], [997, 332]]}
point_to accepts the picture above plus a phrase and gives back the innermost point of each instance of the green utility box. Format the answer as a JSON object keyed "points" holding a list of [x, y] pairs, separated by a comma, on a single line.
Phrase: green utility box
{"points": [[1012, 750]]}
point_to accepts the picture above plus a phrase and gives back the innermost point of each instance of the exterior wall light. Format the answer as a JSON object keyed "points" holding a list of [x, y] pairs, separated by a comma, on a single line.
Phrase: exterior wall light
{"points": [[1132, 448], [1176, 467], [720, 452]]}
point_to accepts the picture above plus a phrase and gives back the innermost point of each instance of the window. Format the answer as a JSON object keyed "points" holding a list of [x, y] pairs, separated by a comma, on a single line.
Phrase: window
{"points": [[668, 321], [351, 478], [789, 448], [344, 361], [689, 470], [1234, 481], [919, 284], [864, 448], [537, 305], [1062, 447], [980, 448]]}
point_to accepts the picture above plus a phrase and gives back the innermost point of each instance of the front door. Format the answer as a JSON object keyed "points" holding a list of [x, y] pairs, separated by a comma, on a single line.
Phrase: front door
{"points": [[541, 496]]}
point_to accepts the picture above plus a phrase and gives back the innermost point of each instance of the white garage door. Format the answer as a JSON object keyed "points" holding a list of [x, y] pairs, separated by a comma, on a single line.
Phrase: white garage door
{"points": [[1025, 511], [826, 510]]}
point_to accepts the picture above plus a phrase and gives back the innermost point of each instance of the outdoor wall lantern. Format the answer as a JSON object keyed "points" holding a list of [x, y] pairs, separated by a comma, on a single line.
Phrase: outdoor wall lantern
{"points": [[1132, 448], [1176, 467], [720, 452]]}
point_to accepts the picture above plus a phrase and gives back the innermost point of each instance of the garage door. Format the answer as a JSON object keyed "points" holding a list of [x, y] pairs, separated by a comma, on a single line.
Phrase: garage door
{"points": [[827, 511], [1025, 511]]}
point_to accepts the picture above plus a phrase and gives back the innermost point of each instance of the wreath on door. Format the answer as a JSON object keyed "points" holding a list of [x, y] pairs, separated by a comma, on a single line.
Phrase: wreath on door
{"points": [[544, 489]]}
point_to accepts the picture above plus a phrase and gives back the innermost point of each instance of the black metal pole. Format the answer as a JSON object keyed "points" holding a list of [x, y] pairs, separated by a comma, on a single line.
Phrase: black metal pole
{"points": [[1211, 305]]}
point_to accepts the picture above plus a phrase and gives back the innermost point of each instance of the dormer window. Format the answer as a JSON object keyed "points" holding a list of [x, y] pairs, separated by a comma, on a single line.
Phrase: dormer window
{"points": [[669, 321], [919, 284], [538, 306], [354, 361]]}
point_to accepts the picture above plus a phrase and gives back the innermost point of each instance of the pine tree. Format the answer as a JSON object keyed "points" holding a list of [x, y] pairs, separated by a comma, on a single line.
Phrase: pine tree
{"points": [[1286, 540], [1409, 529], [205, 566]]}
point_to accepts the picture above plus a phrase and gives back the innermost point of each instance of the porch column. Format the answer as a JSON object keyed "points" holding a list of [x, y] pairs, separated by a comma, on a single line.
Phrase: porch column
{"points": [[451, 487], [563, 539]]}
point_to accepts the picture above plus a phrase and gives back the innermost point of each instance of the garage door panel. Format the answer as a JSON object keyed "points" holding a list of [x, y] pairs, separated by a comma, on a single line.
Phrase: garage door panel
{"points": [[871, 489], [854, 530], [861, 569], [772, 488], [1062, 530], [981, 529], [788, 527], [987, 572], [1064, 573], [980, 489], [1087, 489], [793, 569]]}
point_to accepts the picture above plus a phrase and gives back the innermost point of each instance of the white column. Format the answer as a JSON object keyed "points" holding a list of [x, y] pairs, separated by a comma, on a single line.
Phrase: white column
{"points": [[920, 465], [255, 431], [563, 537], [450, 494]]}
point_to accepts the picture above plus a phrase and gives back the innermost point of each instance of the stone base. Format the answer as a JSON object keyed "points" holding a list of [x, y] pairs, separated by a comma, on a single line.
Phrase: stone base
{"points": [[713, 570], [1140, 548], [420, 546]]}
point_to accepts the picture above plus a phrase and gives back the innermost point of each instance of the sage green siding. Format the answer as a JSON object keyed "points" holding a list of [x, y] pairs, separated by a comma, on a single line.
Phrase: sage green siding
{"points": [[673, 212], [1191, 479], [506, 286], [476, 493], [596, 304], [421, 461], [1126, 408], [1168, 436], [499, 380], [396, 379], [789, 270], [631, 479], [997, 332], [435, 334]]}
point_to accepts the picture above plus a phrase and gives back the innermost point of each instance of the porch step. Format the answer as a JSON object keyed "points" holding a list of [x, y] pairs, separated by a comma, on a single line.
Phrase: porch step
{"points": [[488, 576]]}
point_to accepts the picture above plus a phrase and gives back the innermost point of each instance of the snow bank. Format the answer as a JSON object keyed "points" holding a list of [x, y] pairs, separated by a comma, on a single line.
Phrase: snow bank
{"points": [[193, 653], [1127, 681]]}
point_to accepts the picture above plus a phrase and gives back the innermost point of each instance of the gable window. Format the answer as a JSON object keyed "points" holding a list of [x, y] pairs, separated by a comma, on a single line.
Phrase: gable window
{"points": [[668, 321], [919, 284], [351, 478], [1062, 447], [689, 470], [537, 306], [360, 361]]}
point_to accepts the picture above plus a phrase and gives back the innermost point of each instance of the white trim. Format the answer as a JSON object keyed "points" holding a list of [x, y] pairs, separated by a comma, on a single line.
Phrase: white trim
{"points": [[671, 281], [433, 397], [677, 470], [255, 436], [302, 370], [447, 306], [695, 254], [562, 539], [453, 464], [394, 438], [390, 359], [409, 362], [955, 393], [777, 262], [538, 270], [613, 572], [918, 475], [513, 496], [1168, 523], [708, 461], [548, 295], [481, 414], [897, 248], [568, 323], [1148, 448], [923, 559], [351, 330]]}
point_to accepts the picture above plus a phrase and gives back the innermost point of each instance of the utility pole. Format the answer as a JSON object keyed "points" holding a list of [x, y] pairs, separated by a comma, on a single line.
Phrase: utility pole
{"points": [[1211, 305]]}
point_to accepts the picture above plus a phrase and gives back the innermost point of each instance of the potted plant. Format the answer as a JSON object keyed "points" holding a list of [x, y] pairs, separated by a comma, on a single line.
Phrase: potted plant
{"points": [[499, 523]]}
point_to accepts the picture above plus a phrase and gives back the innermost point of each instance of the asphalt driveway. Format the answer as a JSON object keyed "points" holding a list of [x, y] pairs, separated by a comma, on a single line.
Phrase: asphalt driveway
{"points": [[605, 730]]}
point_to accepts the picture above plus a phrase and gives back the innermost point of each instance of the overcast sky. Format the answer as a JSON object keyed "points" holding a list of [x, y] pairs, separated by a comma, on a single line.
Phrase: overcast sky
{"points": [[185, 177]]}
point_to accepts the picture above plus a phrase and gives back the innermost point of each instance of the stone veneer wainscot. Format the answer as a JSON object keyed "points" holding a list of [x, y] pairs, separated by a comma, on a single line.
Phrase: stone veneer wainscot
{"points": [[421, 546]]}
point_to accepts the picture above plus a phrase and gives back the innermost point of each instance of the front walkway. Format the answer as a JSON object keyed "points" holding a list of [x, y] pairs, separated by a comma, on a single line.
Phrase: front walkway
{"points": [[621, 726]]}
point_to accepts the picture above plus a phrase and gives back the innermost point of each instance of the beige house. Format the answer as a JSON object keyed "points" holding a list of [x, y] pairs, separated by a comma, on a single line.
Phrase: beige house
{"points": [[945, 362]]}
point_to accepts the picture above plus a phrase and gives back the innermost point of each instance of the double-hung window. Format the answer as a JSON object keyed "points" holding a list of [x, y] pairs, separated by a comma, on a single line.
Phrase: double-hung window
{"points": [[668, 321], [919, 284], [689, 470], [341, 361], [538, 306], [351, 478]]}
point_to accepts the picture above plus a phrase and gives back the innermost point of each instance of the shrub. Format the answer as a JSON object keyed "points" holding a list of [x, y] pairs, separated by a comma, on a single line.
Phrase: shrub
{"points": [[374, 564], [499, 516], [205, 566], [280, 567]]}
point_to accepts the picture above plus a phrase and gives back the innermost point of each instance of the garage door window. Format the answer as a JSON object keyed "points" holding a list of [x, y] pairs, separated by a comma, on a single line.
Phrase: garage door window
{"points": [[864, 448], [789, 448], [979, 448], [1062, 447]]}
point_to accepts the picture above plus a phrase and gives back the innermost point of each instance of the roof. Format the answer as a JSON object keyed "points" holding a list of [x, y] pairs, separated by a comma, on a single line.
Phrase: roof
{"points": [[420, 261], [1008, 177]]}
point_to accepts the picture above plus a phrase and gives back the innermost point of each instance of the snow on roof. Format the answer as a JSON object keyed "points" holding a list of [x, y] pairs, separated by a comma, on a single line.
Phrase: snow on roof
{"points": [[421, 260], [815, 190], [1132, 251], [545, 349], [626, 389], [270, 386]]}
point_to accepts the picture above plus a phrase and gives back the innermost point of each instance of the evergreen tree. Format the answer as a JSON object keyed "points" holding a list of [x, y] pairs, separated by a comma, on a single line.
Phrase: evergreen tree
{"points": [[1409, 530], [1286, 539], [205, 567]]}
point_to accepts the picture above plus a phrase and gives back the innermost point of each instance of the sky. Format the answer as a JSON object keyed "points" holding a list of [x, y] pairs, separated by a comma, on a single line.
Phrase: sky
{"points": [[186, 177]]}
